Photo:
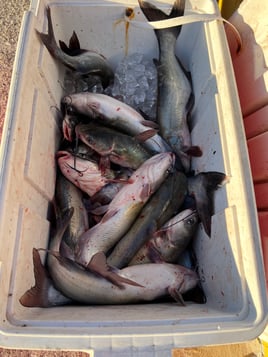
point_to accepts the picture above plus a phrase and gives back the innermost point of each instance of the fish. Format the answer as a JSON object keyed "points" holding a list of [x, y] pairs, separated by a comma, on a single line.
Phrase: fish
{"points": [[43, 293], [83, 63], [124, 208], [202, 188], [112, 146], [117, 114], [168, 243], [68, 195], [74, 48], [83, 173], [189, 260], [85, 287], [175, 95], [54, 254], [105, 195], [160, 207]]}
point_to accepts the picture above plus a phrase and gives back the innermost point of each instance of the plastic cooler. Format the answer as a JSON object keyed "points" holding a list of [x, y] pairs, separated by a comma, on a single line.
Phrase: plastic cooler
{"points": [[230, 262], [250, 67]]}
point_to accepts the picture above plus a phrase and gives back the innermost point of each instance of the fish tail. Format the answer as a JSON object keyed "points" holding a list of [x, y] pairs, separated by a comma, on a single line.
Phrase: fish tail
{"points": [[202, 187], [49, 39], [152, 13], [36, 296]]}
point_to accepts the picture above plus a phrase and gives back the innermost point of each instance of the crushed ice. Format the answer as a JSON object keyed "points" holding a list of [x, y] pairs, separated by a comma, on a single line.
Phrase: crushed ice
{"points": [[135, 84]]}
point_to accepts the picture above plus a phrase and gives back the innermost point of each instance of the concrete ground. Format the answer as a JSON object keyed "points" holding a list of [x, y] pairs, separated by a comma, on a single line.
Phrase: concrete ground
{"points": [[11, 12]]}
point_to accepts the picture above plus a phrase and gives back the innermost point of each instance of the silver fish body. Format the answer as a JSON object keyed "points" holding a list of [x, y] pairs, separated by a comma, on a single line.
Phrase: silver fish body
{"points": [[105, 195], [168, 243], [80, 285], [124, 208], [67, 195], [156, 280], [159, 208], [116, 114], [174, 88]]}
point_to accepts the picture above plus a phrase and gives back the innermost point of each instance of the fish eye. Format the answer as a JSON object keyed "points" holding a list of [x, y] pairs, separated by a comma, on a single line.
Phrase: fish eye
{"points": [[190, 221], [69, 109]]}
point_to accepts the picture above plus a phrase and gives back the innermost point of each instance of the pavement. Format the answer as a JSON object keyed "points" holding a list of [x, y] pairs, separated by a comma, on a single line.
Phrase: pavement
{"points": [[11, 12]]}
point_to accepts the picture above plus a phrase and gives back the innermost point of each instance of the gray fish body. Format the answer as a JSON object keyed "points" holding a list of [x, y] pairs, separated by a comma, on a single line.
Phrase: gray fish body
{"points": [[159, 208], [119, 148], [169, 241], [173, 96], [68, 195], [174, 88], [116, 114], [124, 208], [156, 280], [86, 62], [80, 285], [105, 195]]}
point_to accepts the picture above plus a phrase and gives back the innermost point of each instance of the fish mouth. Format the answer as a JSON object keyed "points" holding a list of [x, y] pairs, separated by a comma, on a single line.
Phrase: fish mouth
{"points": [[67, 101], [67, 131], [61, 154]]}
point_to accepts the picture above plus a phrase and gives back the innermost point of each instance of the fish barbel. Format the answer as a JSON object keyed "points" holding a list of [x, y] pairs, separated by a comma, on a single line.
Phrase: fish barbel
{"points": [[83, 173], [160, 207], [124, 208], [116, 114], [84, 62], [174, 88], [167, 243], [122, 149]]}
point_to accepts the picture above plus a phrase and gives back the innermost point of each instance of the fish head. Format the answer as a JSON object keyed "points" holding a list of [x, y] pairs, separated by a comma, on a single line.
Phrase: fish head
{"points": [[159, 165], [181, 227], [190, 221], [71, 165], [85, 174], [94, 137], [85, 152], [82, 103]]}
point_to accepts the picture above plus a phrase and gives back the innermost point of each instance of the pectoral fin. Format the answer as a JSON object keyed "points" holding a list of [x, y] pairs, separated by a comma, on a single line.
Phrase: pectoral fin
{"points": [[98, 264], [145, 135], [177, 296]]}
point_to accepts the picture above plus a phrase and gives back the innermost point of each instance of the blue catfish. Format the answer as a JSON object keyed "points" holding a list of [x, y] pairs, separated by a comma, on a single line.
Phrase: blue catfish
{"points": [[175, 95], [84, 62], [123, 209]]}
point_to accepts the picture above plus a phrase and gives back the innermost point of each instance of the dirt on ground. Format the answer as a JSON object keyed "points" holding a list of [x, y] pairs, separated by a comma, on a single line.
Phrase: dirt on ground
{"points": [[11, 13]]}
